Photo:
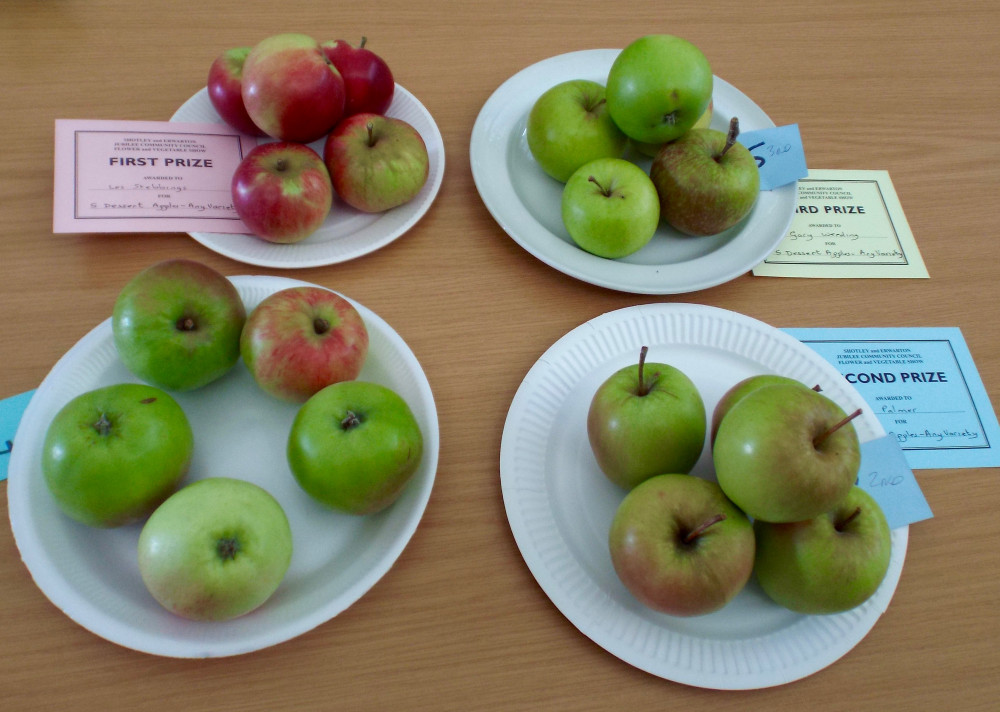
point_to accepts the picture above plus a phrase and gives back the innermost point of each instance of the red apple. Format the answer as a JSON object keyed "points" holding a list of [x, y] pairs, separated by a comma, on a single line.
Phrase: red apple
{"points": [[291, 90], [282, 191], [299, 340], [376, 162], [367, 78], [225, 90]]}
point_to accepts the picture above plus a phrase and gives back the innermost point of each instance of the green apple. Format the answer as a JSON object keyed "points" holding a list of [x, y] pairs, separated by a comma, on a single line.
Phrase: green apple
{"points": [[645, 420], [376, 162], [112, 454], [680, 546], [215, 550], [827, 564], [610, 208], [784, 453], [177, 324], [569, 125], [707, 182], [737, 391], [649, 150], [658, 87], [354, 446]]}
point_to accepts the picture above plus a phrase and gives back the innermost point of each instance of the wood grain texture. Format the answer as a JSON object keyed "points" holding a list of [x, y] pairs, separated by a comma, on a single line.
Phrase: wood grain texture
{"points": [[459, 623]]}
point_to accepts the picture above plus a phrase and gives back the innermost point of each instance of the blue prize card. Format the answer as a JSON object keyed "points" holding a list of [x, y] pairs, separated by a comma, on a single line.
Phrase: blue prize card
{"points": [[11, 410], [922, 385], [779, 154]]}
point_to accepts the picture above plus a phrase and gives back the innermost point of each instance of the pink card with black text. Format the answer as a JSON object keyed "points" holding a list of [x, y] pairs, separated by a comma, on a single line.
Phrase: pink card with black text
{"points": [[146, 176]]}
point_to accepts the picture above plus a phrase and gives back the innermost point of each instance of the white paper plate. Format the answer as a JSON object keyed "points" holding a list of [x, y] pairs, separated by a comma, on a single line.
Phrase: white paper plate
{"points": [[526, 202], [347, 233], [560, 505], [92, 574]]}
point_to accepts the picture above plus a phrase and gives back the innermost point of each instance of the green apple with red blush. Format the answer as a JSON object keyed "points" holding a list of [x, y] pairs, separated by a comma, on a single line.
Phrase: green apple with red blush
{"points": [[177, 324], [738, 390], [786, 453], [299, 340], [376, 162], [827, 564], [215, 550], [646, 419], [707, 181], [680, 546]]}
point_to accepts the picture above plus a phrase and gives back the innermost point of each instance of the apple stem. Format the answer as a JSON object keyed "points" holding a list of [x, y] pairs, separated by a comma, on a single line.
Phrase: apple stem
{"points": [[320, 325], [840, 526], [644, 387], [371, 133], [700, 529], [364, 41], [734, 131], [186, 323], [227, 547], [604, 191], [819, 439], [281, 165], [817, 388], [103, 425], [351, 420]]}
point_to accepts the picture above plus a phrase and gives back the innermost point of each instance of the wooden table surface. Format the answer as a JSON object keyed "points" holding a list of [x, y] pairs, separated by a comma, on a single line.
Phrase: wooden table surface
{"points": [[459, 623]]}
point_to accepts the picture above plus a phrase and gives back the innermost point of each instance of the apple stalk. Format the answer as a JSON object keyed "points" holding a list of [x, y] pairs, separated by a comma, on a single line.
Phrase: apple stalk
{"points": [[821, 438], [643, 387], [842, 525], [703, 527], [734, 131]]}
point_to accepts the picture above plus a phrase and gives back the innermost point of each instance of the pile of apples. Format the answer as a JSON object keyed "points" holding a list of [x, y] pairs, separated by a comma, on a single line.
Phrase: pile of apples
{"points": [[658, 103], [219, 547], [784, 504], [293, 89]]}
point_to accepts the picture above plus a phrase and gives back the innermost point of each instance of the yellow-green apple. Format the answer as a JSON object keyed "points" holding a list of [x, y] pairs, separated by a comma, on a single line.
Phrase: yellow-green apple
{"points": [[177, 324], [651, 149], [680, 546], [368, 81], [299, 340], [827, 564], [645, 420], [215, 550], [354, 446], [658, 87], [113, 454], [569, 125], [610, 208], [291, 90], [282, 191], [740, 389], [376, 162], [785, 453], [707, 182], [225, 90]]}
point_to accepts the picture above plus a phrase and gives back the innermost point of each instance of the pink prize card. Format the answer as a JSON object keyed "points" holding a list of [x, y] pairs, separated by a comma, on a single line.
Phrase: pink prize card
{"points": [[146, 176]]}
